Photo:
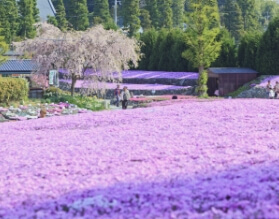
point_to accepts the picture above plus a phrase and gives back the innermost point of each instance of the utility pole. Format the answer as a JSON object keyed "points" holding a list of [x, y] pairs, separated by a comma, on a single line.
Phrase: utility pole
{"points": [[115, 12]]}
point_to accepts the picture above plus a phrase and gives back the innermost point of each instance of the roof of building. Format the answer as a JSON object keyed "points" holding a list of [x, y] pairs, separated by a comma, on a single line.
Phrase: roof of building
{"points": [[46, 8], [18, 66], [12, 53], [232, 71]]}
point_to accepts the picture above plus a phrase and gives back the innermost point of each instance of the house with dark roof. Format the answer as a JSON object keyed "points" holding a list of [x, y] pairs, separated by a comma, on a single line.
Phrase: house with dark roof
{"points": [[18, 68], [227, 80]]}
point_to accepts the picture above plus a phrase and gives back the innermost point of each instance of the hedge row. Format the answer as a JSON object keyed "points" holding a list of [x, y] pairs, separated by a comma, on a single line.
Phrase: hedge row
{"points": [[13, 89]]}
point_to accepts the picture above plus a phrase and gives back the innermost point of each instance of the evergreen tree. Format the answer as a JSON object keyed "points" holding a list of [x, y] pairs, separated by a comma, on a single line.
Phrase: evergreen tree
{"points": [[164, 51], [149, 39], [146, 22], [248, 9], [131, 16], [3, 48], [156, 56], [9, 20], [101, 10], [165, 18], [27, 20], [227, 56], [269, 10], [247, 51], [201, 38], [178, 63], [152, 7], [178, 12], [62, 22], [268, 51], [78, 14], [36, 11], [52, 20], [233, 19]]}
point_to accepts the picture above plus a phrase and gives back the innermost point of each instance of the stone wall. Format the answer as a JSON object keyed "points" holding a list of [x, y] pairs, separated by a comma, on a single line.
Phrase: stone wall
{"points": [[255, 92]]}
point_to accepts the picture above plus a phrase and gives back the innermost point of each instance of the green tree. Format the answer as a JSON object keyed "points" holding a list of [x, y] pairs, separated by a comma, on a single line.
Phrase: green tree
{"points": [[149, 39], [3, 49], [78, 14], [52, 20], [268, 51], [247, 50], [62, 22], [176, 50], [131, 15], [152, 7], [146, 22], [165, 15], [249, 14], [268, 10], [9, 21], [170, 50], [101, 10], [228, 52], [26, 18], [201, 37], [36, 11], [156, 56], [178, 12], [233, 19], [162, 50]]}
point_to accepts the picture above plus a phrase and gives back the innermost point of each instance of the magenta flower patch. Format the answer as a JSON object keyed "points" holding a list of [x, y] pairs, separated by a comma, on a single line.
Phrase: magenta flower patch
{"points": [[189, 159]]}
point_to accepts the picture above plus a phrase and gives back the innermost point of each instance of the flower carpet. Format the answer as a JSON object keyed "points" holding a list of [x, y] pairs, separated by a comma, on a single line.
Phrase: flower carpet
{"points": [[159, 74], [156, 87], [190, 159], [145, 74]]}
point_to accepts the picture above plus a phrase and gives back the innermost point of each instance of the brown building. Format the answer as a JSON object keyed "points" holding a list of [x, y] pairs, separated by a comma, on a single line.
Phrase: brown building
{"points": [[227, 80]]}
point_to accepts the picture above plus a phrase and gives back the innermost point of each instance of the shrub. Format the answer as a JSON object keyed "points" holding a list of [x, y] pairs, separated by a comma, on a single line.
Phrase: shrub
{"points": [[52, 91], [13, 89], [85, 102]]}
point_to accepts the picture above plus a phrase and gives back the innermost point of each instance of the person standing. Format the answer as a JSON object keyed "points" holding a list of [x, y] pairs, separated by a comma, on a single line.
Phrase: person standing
{"points": [[117, 92], [276, 89], [125, 97], [269, 89]]}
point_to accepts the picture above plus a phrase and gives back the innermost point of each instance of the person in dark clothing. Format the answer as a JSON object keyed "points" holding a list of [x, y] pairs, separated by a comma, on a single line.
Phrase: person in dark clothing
{"points": [[125, 97], [117, 92]]}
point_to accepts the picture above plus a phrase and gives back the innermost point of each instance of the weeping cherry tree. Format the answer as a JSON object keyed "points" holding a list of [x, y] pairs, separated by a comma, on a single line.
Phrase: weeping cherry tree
{"points": [[95, 55]]}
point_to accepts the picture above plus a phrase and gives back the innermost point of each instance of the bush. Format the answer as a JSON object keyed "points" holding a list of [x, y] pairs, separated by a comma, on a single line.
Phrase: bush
{"points": [[52, 91], [89, 103], [13, 89]]}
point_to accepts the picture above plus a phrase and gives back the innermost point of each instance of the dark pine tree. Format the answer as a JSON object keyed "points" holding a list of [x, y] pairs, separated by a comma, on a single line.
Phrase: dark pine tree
{"points": [[78, 14]]}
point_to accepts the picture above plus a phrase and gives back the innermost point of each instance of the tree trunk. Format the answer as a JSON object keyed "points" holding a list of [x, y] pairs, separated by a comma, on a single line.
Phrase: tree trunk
{"points": [[202, 82], [201, 69], [74, 80]]}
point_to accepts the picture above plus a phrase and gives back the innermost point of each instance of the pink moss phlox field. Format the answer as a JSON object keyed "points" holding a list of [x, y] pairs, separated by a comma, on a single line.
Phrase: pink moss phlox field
{"points": [[191, 159], [147, 74], [83, 84], [272, 80], [159, 74]]}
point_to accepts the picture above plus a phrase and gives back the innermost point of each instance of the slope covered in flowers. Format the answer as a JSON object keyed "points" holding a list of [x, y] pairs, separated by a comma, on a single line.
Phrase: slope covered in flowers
{"points": [[85, 84], [191, 159]]}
